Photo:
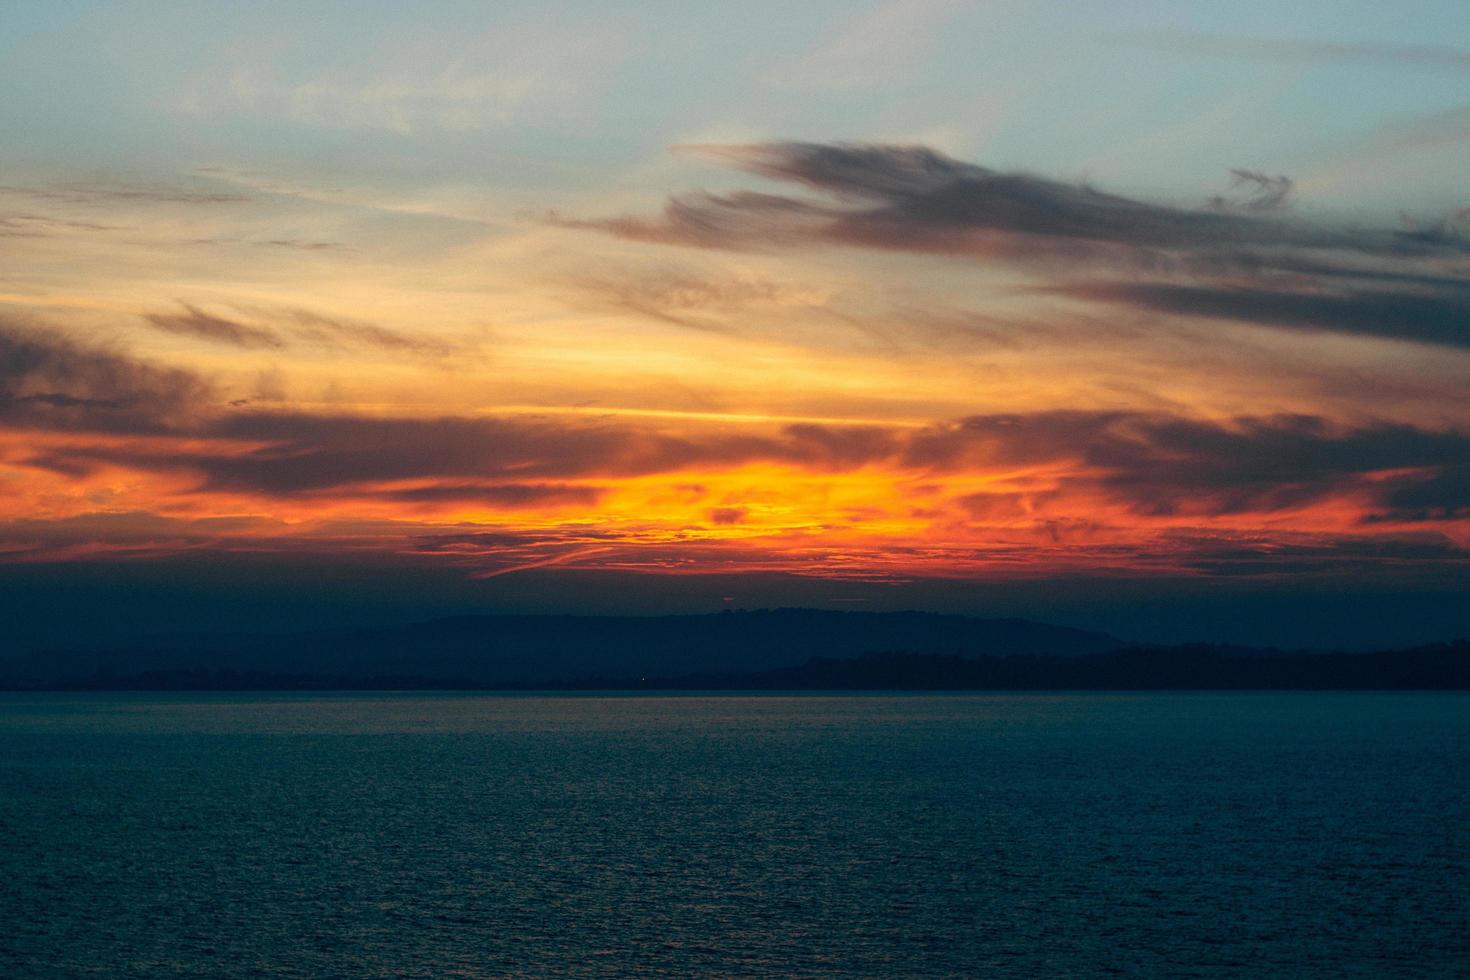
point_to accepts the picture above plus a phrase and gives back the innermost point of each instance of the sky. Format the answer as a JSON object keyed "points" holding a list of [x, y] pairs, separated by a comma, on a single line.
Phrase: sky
{"points": [[1148, 316]]}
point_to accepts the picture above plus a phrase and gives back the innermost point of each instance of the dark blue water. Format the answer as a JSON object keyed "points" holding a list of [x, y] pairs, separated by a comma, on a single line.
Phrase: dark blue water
{"points": [[1021, 835]]}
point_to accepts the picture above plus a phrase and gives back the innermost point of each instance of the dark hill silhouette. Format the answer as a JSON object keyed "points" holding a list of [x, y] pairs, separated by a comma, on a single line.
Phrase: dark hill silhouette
{"points": [[783, 649], [1438, 667], [1193, 667], [517, 651]]}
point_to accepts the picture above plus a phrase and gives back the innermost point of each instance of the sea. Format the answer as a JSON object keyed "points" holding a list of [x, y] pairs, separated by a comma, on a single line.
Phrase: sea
{"points": [[1014, 835]]}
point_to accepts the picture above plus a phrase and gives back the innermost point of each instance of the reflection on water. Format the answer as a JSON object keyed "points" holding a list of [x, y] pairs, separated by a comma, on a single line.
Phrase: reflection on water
{"points": [[411, 835]]}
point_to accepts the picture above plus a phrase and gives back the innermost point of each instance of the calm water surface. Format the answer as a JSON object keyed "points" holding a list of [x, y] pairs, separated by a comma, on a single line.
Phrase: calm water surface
{"points": [[1017, 835]]}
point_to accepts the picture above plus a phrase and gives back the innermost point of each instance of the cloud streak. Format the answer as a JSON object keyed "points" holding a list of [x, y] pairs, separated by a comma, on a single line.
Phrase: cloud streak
{"points": [[1243, 258], [1148, 464], [1067, 467], [1068, 464], [82, 193], [194, 322], [292, 327], [1298, 51], [1441, 318], [912, 198]]}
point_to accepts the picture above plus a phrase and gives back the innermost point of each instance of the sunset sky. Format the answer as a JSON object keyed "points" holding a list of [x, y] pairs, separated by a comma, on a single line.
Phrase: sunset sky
{"points": [[915, 303]]}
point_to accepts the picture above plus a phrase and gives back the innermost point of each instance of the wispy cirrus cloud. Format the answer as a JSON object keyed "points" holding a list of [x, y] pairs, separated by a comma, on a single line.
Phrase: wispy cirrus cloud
{"points": [[335, 331], [105, 192], [30, 225], [300, 244], [292, 326], [1297, 51], [888, 38], [457, 97], [1404, 135], [431, 81], [194, 322], [688, 298]]}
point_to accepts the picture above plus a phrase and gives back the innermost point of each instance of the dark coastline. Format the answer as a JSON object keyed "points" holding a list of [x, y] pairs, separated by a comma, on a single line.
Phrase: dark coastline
{"points": [[1190, 668]]}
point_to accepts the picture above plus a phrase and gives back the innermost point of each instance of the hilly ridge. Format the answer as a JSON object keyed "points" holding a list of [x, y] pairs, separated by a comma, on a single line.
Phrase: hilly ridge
{"points": [[521, 650], [781, 649]]}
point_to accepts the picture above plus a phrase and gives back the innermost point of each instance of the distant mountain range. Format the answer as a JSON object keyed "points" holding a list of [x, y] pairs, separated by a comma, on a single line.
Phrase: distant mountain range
{"points": [[795, 649], [520, 650]]}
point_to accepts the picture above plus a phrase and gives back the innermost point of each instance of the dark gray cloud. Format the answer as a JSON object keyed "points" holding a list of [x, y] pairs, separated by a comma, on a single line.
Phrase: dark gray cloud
{"points": [[1232, 556], [1163, 465], [1252, 190], [304, 454], [313, 453], [1244, 257], [1442, 496], [48, 381], [913, 198], [1434, 317]]}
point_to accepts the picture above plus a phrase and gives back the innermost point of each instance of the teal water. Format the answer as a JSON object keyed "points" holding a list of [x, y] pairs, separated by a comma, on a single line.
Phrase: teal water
{"points": [[406, 835]]}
